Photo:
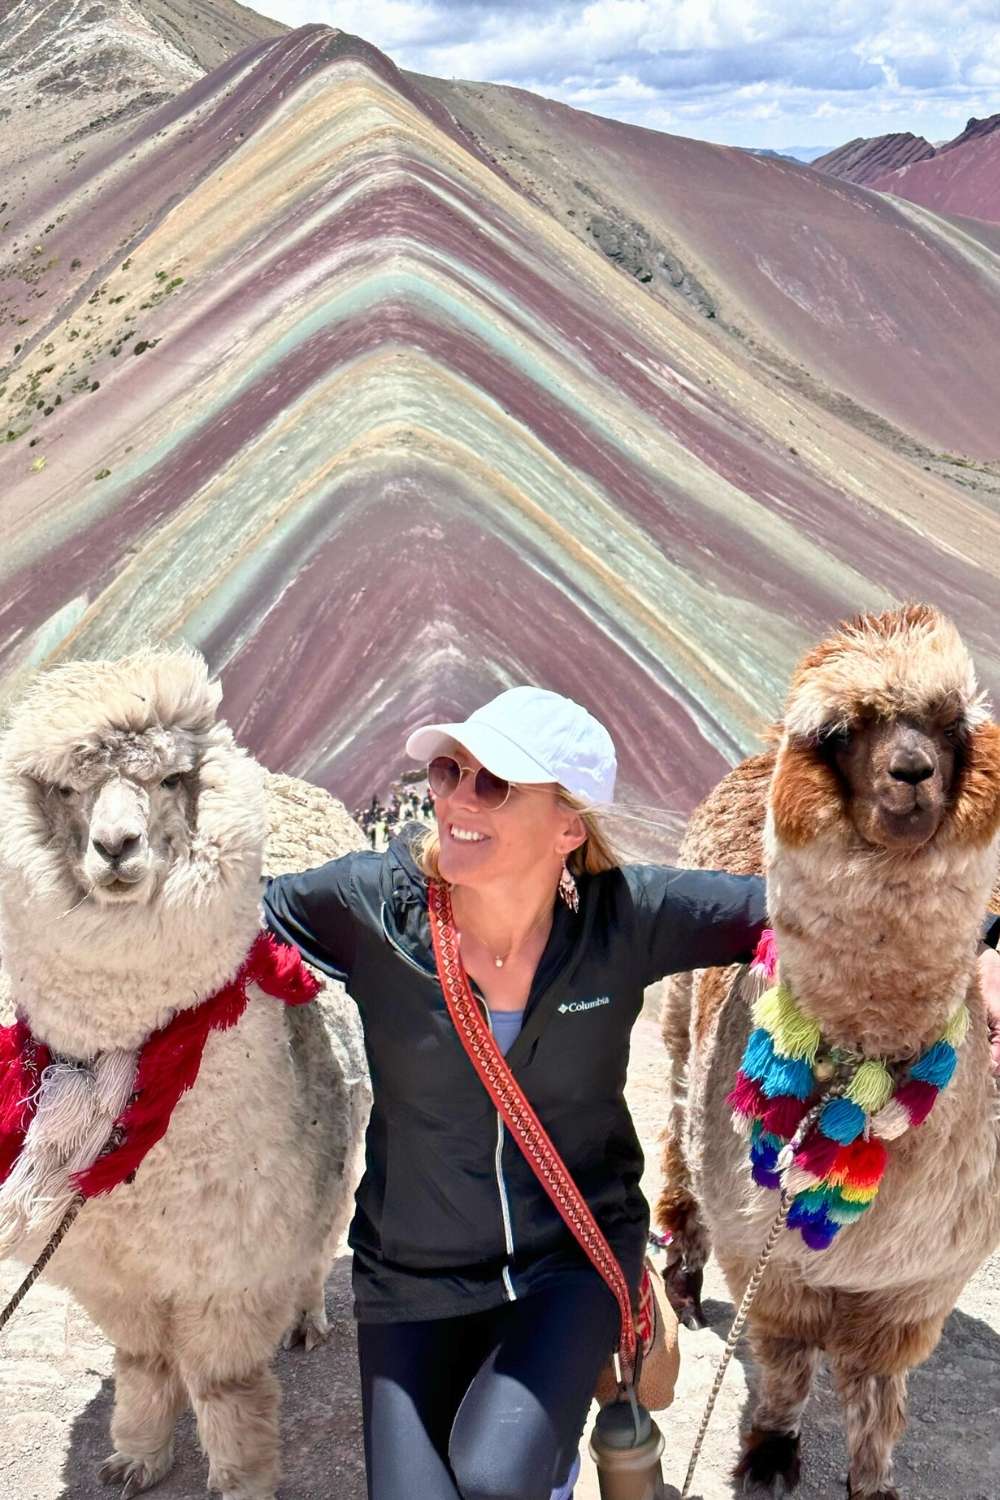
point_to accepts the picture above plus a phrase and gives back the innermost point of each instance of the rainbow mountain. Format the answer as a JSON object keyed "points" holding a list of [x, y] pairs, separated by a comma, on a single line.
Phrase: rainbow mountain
{"points": [[389, 392]]}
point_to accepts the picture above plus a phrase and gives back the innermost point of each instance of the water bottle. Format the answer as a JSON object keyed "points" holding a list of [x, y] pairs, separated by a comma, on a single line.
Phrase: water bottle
{"points": [[626, 1445]]}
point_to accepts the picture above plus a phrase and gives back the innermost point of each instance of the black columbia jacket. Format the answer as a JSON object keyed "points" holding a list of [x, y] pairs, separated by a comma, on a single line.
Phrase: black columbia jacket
{"points": [[450, 1218]]}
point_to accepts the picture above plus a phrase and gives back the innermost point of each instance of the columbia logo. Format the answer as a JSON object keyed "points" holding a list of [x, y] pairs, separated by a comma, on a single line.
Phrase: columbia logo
{"points": [[575, 1005]]}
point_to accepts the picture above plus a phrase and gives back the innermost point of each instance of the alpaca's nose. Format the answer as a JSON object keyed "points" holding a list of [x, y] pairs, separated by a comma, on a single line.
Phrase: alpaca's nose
{"points": [[114, 850], [911, 764]]}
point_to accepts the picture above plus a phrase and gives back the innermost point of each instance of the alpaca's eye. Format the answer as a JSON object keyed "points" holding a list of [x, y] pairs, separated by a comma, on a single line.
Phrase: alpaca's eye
{"points": [[955, 729], [835, 736], [171, 781], [65, 791]]}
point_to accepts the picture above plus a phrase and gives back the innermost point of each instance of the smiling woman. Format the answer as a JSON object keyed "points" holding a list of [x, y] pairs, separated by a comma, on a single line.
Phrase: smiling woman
{"points": [[483, 1326], [480, 1317]]}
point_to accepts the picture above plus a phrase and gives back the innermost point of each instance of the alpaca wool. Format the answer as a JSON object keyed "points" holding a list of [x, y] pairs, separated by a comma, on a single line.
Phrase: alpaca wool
{"points": [[834, 1174], [68, 1127]]}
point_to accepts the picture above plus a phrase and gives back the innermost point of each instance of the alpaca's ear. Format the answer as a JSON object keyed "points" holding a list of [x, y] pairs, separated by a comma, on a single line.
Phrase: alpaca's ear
{"points": [[975, 816], [805, 795]]}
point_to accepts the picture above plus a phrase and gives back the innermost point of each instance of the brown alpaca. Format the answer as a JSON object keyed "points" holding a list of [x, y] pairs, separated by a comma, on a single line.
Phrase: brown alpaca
{"points": [[876, 820]]}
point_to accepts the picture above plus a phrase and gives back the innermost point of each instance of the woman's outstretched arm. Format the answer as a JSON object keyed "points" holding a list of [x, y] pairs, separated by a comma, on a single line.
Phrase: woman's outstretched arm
{"points": [[312, 909], [695, 919], [702, 919]]}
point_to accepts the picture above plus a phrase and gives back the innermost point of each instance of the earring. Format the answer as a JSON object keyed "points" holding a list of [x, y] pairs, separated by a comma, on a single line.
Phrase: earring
{"points": [[568, 890]]}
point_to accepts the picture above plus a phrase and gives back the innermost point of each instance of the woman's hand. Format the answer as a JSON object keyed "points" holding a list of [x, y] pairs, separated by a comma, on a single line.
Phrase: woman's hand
{"points": [[989, 978]]}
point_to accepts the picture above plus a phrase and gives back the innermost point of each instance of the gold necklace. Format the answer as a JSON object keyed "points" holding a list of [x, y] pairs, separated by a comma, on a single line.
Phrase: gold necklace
{"points": [[497, 960]]}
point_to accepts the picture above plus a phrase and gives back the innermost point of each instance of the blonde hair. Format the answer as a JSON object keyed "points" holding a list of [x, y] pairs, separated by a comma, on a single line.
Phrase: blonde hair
{"points": [[593, 856]]}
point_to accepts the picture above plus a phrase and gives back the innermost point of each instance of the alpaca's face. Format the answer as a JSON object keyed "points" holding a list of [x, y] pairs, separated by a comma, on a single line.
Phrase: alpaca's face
{"points": [[887, 738], [122, 815], [898, 775]]}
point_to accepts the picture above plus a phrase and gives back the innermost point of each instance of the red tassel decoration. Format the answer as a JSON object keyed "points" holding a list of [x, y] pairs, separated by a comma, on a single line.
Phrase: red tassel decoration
{"points": [[22, 1062], [784, 1115], [817, 1154], [280, 972], [861, 1164], [171, 1059], [918, 1099], [746, 1097]]}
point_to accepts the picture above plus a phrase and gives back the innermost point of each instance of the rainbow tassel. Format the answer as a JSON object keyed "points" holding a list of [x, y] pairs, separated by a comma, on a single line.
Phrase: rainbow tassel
{"points": [[843, 1212], [871, 1086], [788, 1075], [817, 1154], [759, 1054], [782, 1117], [765, 960], [837, 1168], [918, 1099], [793, 1034], [861, 1195], [815, 1225], [842, 1120], [746, 1097], [937, 1066], [820, 1236], [860, 1165]]}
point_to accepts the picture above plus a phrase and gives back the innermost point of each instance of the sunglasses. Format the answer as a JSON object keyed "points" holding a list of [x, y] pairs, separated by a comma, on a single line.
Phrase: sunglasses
{"points": [[444, 776]]}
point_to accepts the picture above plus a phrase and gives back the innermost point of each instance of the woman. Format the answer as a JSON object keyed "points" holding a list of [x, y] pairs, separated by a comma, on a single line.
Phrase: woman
{"points": [[482, 1327]]}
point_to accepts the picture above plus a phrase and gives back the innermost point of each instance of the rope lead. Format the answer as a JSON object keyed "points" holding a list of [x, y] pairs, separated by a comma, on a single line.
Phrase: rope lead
{"points": [[42, 1261]]}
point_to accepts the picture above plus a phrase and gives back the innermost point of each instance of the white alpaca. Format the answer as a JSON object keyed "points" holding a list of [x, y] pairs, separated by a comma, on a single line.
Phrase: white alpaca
{"points": [[131, 841]]}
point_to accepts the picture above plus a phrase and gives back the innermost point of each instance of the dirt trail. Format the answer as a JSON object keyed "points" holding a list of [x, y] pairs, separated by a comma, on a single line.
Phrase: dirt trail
{"points": [[55, 1392]]}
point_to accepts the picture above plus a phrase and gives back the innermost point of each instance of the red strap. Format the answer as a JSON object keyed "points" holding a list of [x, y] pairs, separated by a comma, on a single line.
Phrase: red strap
{"points": [[519, 1117]]}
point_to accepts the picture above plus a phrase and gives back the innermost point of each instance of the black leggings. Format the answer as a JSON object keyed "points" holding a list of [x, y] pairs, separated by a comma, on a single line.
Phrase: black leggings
{"points": [[489, 1405]]}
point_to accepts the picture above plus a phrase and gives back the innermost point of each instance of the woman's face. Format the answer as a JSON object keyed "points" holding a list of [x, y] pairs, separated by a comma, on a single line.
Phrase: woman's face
{"points": [[532, 829]]}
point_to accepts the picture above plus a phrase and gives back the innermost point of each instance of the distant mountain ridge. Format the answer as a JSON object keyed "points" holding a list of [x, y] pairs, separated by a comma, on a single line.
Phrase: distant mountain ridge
{"points": [[866, 158], [74, 77], [960, 176]]}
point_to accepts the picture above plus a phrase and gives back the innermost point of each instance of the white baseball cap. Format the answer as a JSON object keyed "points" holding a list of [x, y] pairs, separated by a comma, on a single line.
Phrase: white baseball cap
{"points": [[528, 734]]}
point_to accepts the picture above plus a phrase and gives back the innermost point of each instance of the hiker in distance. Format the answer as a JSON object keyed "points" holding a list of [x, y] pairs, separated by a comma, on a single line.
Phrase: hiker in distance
{"points": [[483, 1327]]}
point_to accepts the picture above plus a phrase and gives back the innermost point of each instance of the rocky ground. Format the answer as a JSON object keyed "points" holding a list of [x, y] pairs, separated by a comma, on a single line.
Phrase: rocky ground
{"points": [[55, 1392]]}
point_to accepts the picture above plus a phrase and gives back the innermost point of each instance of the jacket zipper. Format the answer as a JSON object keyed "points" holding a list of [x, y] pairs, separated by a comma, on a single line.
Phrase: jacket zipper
{"points": [[508, 1233]]}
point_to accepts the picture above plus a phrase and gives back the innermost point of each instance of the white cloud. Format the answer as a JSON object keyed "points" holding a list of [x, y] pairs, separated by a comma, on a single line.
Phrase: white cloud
{"points": [[858, 65]]}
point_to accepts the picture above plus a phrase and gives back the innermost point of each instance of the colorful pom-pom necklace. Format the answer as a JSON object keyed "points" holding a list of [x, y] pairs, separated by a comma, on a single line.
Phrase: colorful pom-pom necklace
{"points": [[820, 1139]]}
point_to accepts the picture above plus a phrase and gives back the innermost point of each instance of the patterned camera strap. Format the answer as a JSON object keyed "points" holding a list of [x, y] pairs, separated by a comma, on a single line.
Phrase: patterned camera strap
{"points": [[524, 1125]]}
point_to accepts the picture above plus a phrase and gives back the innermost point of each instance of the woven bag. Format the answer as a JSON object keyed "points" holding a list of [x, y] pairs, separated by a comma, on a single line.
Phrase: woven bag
{"points": [[659, 1356]]}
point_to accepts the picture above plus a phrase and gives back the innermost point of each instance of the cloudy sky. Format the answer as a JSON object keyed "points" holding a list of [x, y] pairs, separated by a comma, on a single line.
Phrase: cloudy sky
{"points": [[746, 72]]}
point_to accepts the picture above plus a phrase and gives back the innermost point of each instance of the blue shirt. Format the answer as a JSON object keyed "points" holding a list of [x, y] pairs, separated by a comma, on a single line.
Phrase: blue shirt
{"points": [[506, 1024]]}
